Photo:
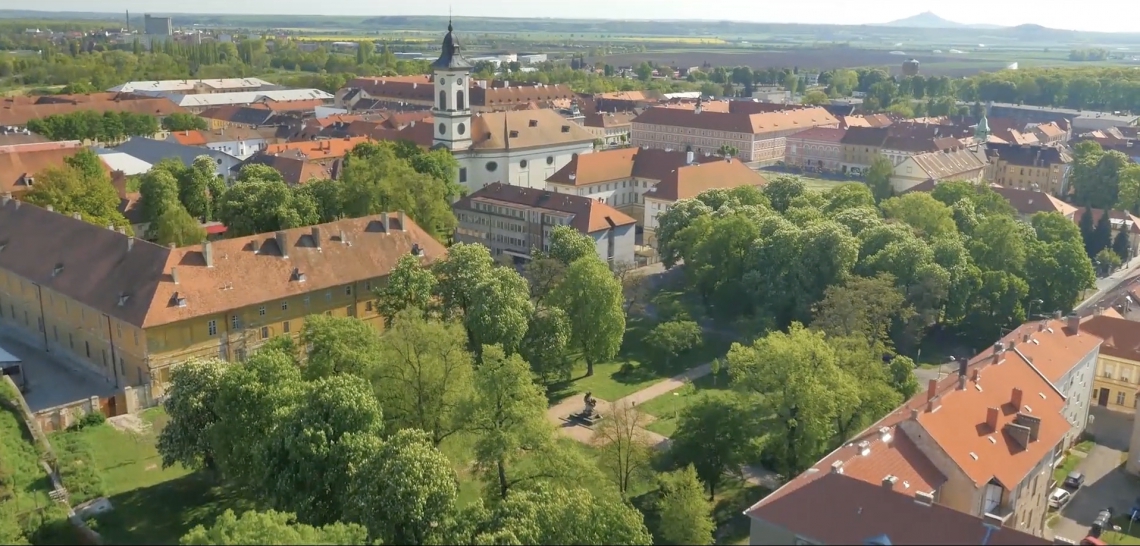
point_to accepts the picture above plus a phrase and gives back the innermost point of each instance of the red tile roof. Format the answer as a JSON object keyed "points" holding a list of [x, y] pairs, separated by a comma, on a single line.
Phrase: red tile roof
{"points": [[838, 509]]}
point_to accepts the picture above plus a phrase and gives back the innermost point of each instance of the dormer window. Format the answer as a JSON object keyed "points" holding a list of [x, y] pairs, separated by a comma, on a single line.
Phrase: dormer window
{"points": [[178, 300], [58, 269], [298, 275], [417, 250], [123, 297]]}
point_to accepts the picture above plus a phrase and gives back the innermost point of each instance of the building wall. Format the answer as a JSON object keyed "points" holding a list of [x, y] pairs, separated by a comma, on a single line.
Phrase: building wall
{"points": [[1119, 377], [612, 136], [1030, 500], [622, 250], [626, 195], [234, 334], [815, 155], [113, 349], [540, 163], [763, 532], [766, 148], [959, 491], [1077, 384], [517, 236], [241, 149], [857, 158], [1050, 178]]}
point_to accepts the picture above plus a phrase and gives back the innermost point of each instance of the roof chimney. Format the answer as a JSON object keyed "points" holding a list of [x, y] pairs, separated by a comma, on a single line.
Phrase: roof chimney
{"points": [[316, 235], [77, 216], [1032, 422], [889, 481], [255, 245], [689, 157], [931, 389], [403, 221], [1073, 322], [130, 243], [384, 220], [992, 415], [1015, 398], [282, 244], [174, 274], [924, 498], [5, 198], [837, 467], [208, 253], [343, 238], [1057, 315], [49, 208]]}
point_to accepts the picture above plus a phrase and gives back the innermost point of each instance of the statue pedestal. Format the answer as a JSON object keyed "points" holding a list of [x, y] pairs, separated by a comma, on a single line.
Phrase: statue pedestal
{"points": [[585, 419]]}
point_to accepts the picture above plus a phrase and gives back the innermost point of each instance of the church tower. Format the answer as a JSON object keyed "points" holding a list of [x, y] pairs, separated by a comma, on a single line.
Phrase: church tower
{"points": [[982, 131], [452, 110]]}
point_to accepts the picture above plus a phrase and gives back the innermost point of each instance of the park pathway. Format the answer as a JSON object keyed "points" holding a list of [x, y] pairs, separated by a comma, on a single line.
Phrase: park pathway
{"points": [[752, 474]]}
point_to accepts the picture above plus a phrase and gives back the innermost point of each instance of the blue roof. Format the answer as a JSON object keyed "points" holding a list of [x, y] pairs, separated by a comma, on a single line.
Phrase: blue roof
{"points": [[152, 151]]}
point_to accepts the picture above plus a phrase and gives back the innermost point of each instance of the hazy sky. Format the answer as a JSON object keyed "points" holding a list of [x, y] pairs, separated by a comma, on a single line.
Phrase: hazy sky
{"points": [[1097, 15]]}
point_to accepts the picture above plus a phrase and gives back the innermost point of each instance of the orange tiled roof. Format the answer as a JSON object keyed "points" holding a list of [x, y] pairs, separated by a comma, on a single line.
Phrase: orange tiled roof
{"points": [[189, 138], [690, 180], [1121, 337], [318, 149], [984, 449]]}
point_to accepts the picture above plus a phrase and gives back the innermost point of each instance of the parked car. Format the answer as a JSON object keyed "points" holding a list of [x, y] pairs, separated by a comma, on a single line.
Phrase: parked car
{"points": [[1059, 498], [1074, 480]]}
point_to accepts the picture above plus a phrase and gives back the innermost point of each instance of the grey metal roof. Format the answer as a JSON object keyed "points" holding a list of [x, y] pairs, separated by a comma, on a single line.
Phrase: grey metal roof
{"points": [[153, 151], [450, 56]]}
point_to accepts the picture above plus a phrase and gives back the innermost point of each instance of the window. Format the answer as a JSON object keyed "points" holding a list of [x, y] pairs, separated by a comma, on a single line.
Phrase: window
{"points": [[491, 166], [306, 301], [348, 290], [368, 308], [328, 295], [1120, 398], [350, 310], [285, 327], [212, 327], [462, 170], [1108, 371], [442, 104], [285, 306], [523, 164], [442, 129], [264, 332], [235, 322], [992, 499], [119, 330], [261, 311], [549, 160], [136, 333], [368, 285], [459, 102], [461, 128]]}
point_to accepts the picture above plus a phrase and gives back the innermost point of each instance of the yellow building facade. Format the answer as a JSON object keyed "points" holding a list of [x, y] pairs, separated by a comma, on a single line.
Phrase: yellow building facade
{"points": [[1118, 366], [131, 310]]}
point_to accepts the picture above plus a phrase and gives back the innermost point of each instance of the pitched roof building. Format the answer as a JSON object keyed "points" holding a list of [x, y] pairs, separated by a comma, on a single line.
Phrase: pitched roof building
{"points": [[960, 164], [982, 441], [757, 137], [1029, 167], [18, 169], [512, 220], [18, 111], [149, 307], [839, 509]]}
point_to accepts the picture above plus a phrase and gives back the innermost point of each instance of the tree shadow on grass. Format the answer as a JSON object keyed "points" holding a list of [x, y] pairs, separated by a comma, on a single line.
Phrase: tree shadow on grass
{"points": [[162, 513], [732, 526]]}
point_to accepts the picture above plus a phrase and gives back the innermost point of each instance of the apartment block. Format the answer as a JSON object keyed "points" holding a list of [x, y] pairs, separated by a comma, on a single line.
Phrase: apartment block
{"points": [[759, 138], [513, 221], [1118, 365], [1036, 167], [981, 442], [131, 310]]}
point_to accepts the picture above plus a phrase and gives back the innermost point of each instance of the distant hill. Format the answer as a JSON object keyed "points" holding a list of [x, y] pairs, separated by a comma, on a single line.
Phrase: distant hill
{"points": [[929, 19]]}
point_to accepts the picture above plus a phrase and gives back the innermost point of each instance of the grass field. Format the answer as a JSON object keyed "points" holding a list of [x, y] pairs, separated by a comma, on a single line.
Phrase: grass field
{"points": [[666, 408], [23, 480], [636, 366], [152, 505]]}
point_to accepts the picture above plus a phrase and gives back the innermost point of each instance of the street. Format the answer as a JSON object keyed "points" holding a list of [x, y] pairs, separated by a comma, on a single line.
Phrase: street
{"points": [[49, 382], [1111, 290]]}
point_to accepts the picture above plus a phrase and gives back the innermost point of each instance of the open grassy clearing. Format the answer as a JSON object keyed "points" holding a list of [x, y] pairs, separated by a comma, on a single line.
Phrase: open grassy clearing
{"points": [[668, 407]]}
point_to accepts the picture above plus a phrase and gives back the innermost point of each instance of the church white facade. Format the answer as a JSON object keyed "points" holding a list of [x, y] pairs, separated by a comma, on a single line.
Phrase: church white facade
{"points": [[520, 147]]}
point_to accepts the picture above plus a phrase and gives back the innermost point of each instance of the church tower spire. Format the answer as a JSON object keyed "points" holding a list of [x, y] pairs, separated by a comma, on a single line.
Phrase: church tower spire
{"points": [[452, 111]]}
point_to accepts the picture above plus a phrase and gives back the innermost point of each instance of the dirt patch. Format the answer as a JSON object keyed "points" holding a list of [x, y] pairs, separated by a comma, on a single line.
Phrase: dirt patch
{"points": [[129, 423]]}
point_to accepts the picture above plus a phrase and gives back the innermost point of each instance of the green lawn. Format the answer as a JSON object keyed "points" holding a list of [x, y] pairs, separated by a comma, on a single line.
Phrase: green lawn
{"points": [[1068, 464], [820, 184], [666, 408], [1124, 536], [636, 366], [1085, 446], [151, 504]]}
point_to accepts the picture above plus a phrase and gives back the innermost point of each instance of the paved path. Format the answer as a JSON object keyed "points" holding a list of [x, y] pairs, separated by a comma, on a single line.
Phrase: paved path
{"points": [[557, 413]]}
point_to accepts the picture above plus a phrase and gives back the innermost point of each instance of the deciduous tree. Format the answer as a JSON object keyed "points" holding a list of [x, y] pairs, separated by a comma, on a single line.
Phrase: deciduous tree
{"points": [[674, 338], [878, 177], [685, 515], [507, 412], [715, 435], [567, 245], [177, 227], [339, 345], [551, 514], [545, 345], [592, 299], [424, 376], [186, 438], [624, 445], [410, 286], [272, 527]]}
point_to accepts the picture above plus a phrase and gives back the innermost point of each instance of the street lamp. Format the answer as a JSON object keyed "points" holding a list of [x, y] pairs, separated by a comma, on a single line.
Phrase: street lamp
{"points": [[1029, 312], [675, 395]]}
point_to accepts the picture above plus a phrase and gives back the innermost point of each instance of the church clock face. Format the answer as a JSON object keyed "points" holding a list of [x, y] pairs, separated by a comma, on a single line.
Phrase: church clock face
{"points": [[442, 129]]}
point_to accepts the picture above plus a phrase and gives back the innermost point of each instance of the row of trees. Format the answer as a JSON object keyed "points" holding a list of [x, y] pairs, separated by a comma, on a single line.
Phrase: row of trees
{"points": [[92, 125], [346, 433], [959, 255]]}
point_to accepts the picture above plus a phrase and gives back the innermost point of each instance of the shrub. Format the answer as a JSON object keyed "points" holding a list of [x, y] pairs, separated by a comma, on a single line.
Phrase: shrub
{"points": [[91, 419]]}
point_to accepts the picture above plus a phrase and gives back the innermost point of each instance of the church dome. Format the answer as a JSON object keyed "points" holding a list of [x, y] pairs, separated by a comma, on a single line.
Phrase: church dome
{"points": [[449, 56]]}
